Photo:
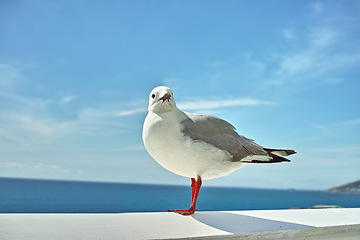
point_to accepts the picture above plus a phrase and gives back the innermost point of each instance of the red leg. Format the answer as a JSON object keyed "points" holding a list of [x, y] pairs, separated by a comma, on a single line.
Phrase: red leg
{"points": [[196, 193], [195, 188]]}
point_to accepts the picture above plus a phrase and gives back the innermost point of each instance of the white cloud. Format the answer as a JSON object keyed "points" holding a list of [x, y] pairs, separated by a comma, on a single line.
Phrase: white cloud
{"points": [[101, 114], [32, 167], [12, 75], [171, 82], [316, 8], [289, 34], [295, 64], [328, 127], [341, 150], [195, 104], [322, 37], [321, 51], [346, 123], [67, 99], [26, 122], [130, 112], [132, 148], [214, 104], [317, 60], [25, 131], [40, 125], [8, 74]]}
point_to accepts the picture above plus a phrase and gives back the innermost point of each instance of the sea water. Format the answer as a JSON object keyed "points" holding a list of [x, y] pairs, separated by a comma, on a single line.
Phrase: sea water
{"points": [[49, 196]]}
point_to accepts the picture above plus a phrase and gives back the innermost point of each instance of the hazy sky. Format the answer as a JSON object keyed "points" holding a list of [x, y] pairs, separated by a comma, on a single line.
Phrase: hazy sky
{"points": [[75, 78]]}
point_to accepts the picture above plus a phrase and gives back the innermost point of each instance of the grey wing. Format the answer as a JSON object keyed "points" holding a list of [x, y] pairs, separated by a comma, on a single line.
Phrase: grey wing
{"points": [[221, 134]]}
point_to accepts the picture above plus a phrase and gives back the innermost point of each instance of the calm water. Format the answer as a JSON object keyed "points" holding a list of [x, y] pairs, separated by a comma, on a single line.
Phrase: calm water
{"points": [[44, 196]]}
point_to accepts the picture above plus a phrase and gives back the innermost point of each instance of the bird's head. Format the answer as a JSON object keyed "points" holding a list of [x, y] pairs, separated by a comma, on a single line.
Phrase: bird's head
{"points": [[161, 100]]}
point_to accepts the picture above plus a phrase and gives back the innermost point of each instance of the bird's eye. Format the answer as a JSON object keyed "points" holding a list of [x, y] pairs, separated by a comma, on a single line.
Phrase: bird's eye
{"points": [[153, 96]]}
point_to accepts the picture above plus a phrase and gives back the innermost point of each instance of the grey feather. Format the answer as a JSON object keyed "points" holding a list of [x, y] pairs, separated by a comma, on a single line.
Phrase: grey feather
{"points": [[220, 134]]}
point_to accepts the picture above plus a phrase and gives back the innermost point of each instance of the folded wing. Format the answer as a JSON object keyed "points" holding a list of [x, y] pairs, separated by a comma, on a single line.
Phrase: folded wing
{"points": [[222, 135]]}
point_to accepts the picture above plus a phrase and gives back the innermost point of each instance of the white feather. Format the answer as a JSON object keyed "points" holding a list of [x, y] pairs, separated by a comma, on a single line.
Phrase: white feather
{"points": [[166, 143]]}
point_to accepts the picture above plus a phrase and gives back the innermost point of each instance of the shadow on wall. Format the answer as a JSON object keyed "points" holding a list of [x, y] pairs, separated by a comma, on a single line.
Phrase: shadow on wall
{"points": [[237, 223]]}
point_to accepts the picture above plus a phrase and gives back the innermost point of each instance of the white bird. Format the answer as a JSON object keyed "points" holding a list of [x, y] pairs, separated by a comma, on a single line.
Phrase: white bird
{"points": [[198, 146]]}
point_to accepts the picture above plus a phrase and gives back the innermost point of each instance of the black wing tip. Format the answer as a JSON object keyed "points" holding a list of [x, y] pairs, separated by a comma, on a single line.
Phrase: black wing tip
{"points": [[287, 151], [290, 152], [275, 159]]}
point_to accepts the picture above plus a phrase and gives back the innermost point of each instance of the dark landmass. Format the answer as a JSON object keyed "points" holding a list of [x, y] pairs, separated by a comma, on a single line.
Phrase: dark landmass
{"points": [[353, 187]]}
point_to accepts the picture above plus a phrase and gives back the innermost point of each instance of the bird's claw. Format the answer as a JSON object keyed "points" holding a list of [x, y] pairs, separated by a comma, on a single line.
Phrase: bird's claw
{"points": [[186, 212]]}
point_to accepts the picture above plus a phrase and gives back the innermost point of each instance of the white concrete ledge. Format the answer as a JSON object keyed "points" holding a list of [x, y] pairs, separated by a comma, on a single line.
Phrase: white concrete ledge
{"points": [[347, 232], [275, 224]]}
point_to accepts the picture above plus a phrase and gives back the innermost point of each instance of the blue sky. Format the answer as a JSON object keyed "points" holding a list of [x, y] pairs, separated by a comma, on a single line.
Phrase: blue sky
{"points": [[75, 78]]}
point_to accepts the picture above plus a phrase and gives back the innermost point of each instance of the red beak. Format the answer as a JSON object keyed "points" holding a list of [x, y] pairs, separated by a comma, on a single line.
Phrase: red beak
{"points": [[165, 97]]}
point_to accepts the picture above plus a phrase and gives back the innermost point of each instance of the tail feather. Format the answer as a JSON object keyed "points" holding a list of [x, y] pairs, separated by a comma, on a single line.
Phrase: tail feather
{"points": [[280, 152], [274, 159], [275, 156]]}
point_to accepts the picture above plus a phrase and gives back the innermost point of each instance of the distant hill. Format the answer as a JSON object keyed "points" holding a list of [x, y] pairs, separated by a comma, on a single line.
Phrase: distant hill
{"points": [[353, 187]]}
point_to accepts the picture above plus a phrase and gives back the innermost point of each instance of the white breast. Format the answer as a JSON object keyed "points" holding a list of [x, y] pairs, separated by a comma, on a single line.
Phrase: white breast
{"points": [[166, 143]]}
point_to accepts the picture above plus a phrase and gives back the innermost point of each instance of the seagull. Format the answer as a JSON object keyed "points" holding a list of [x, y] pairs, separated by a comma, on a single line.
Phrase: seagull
{"points": [[198, 146]]}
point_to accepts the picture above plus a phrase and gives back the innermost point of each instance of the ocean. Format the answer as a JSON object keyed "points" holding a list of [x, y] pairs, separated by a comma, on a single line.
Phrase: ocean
{"points": [[50, 196]]}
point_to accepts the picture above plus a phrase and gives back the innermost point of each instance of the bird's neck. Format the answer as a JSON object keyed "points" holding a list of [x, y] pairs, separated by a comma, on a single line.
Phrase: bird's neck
{"points": [[173, 115]]}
